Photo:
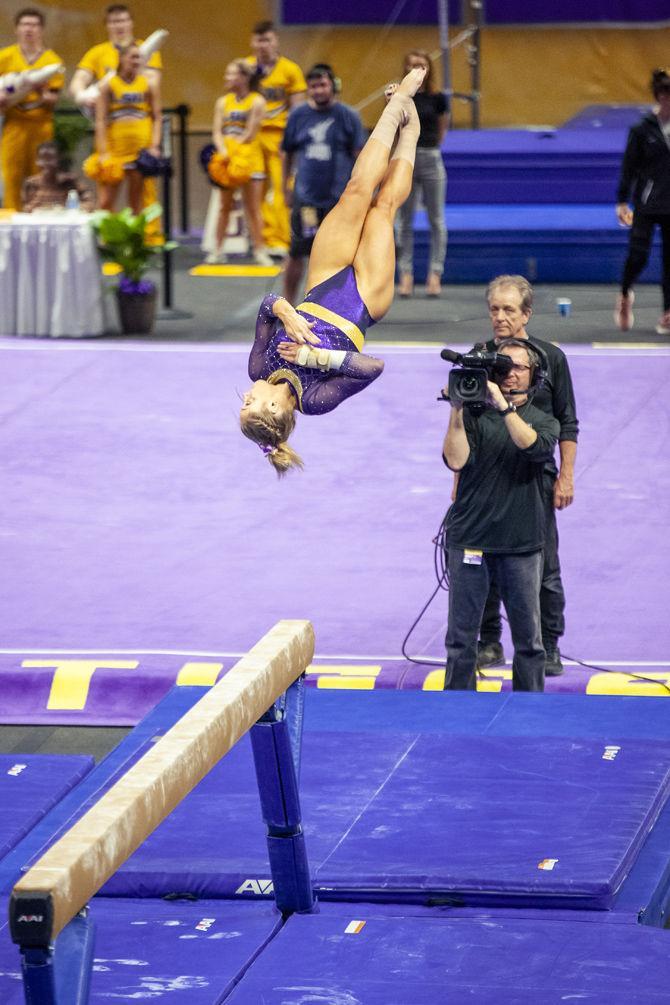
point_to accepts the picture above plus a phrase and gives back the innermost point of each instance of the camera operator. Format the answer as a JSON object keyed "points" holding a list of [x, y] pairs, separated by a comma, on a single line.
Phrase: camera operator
{"points": [[496, 525], [510, 306]]}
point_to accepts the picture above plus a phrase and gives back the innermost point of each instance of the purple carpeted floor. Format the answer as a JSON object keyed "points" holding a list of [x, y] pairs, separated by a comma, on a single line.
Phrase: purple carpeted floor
{"points": [[137, 518]]}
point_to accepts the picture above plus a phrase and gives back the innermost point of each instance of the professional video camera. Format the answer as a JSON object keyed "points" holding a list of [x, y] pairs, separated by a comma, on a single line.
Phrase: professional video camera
{"points": [[468, 380]]}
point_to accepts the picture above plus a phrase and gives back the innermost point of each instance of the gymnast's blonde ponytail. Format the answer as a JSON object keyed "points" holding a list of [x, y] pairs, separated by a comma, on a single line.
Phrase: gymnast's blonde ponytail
{"points": [[271, 432], [283, 458]]}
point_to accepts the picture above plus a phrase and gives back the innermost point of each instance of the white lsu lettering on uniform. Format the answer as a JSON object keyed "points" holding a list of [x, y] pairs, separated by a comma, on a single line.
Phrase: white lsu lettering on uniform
{"points": [[258, 886]]}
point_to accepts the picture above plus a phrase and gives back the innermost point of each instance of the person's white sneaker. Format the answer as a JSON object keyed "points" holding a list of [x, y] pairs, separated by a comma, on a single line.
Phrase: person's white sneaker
{"points": [[261, 257], [215, 258], [663, 326]]}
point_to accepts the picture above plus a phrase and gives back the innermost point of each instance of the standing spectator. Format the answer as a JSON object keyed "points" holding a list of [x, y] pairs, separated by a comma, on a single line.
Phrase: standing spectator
{"points": [[322, 140], [283, 86], [430, 179], [29, 122], [237, 119], [496, 526], [646, 171], [510, 306], [127, 120], [102, 59]]}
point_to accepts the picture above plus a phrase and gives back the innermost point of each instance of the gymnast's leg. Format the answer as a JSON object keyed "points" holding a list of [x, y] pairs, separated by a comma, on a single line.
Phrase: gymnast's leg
{"points": [[337, 240], [374, 263]]}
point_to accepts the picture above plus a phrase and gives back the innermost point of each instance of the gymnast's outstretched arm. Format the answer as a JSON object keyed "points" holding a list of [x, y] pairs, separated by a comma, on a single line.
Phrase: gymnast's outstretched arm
{"points": [[355, 371]]}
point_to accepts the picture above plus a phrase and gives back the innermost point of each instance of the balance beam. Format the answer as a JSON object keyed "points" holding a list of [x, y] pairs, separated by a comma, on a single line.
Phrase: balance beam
{"points": [[65, 878]]}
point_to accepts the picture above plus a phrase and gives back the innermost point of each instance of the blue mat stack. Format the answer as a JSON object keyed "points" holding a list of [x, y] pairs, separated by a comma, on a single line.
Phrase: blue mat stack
{"points": [[536, 202], [495, 848]]}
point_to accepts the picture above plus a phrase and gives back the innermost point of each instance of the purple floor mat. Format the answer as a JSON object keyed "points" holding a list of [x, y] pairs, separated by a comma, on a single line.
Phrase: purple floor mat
{"points": [[396, 960], [144, 561], [30, 785], [180, 952]]}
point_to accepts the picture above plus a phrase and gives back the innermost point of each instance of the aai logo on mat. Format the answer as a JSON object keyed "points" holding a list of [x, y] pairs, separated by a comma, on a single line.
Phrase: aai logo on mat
{"points": [[610, 752], [259, 887]]}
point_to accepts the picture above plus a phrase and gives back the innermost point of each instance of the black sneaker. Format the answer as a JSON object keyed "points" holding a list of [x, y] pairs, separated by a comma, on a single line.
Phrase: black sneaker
{"points": [[489, 654], [552, 661]]}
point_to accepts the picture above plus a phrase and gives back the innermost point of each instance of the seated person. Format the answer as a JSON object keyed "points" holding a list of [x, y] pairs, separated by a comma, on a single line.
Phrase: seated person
{"points": [[50, 187]]}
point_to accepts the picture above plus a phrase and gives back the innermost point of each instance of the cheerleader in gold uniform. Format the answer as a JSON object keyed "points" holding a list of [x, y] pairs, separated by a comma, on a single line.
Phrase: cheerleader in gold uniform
{"points": [[30, 122], [127, 120], [238, 162]]}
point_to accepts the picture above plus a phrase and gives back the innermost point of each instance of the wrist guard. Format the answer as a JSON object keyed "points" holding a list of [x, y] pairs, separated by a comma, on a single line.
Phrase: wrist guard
{"points": [[320, 359]]}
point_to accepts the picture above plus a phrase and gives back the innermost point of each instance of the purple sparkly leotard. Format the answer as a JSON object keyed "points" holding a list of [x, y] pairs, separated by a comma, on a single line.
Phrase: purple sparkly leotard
{"points": [[341, 320]]}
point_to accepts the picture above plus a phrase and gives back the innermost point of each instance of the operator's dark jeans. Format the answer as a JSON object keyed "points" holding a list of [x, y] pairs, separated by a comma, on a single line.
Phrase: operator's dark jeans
{"points": [[518, 578], [552, 595]]}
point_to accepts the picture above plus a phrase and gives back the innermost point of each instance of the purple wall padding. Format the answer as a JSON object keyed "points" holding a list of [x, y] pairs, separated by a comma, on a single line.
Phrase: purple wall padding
{"points": [[366, 12], [495, 12]]}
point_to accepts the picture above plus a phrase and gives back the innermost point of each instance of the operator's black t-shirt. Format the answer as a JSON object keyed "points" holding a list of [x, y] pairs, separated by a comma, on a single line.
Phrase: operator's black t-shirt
{"points": [[499, 507]]}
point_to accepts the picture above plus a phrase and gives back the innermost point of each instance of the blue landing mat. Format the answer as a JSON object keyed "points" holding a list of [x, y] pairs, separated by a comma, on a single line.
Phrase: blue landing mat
{"points": [[529, 822], [30, 785], [179, 857], [562, 820], [396, 960], [181, 953]]}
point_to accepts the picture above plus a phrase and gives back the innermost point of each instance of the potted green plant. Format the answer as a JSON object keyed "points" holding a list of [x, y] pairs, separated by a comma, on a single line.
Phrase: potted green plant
{"points": [[71, 129], [122, 238]]}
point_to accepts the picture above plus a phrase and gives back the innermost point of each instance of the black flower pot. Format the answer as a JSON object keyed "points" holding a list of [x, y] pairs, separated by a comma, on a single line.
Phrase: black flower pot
{"points": [[137, 312]]}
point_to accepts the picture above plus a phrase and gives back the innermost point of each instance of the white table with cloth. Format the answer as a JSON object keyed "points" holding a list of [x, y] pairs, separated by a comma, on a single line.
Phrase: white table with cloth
{"points": [[50, 278]]}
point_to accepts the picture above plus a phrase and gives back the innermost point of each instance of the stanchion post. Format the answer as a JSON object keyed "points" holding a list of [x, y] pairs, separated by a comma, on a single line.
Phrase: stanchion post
{"points": [[183, 111], [166, 144], [168, 311]]}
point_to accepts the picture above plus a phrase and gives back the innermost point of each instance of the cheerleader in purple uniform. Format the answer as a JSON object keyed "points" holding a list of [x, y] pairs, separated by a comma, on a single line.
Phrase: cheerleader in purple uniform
{"points": [[310, 358]]}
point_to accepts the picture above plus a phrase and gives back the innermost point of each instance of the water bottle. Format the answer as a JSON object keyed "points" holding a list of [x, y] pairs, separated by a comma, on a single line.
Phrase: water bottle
{"points": [[72, 200]]}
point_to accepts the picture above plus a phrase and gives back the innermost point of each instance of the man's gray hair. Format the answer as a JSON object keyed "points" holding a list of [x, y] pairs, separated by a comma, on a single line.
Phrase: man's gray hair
{"points": [[519, 283]]}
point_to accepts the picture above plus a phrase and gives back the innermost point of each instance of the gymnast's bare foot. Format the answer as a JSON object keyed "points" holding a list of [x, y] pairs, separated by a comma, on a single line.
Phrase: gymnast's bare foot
{"points": [[411, 83]]}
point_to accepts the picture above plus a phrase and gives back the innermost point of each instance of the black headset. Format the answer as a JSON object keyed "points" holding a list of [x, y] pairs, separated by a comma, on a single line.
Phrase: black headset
{"points": [[539, 365], [325, 70]]}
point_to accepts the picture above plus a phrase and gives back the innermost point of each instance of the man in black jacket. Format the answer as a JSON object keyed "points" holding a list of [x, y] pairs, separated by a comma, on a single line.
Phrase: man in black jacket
{"points": [[496, 526], [645, 172], [510, 305]]}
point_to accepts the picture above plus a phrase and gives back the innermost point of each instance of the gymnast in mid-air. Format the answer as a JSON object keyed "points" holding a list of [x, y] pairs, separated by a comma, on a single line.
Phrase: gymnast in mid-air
{"points": [[310, 358]]}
